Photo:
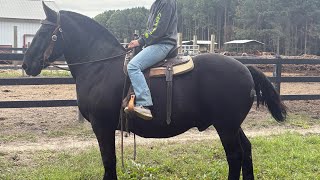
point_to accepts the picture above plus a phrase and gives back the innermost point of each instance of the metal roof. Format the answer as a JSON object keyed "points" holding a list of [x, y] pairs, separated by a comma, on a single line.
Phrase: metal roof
{"points": [[243, 42], [24, 9], [201, 42]]}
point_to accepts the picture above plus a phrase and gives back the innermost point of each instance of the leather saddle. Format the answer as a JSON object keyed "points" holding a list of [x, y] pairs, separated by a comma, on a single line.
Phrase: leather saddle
{"points": [[173, 62], [171, 66], [178, 64]]}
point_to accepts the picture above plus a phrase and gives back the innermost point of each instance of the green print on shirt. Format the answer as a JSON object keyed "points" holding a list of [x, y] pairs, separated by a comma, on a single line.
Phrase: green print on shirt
{"points": [[146, 35]]}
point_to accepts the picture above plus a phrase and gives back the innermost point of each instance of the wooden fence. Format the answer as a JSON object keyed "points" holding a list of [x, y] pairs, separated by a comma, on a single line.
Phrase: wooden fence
{"points": [[277, 80]]}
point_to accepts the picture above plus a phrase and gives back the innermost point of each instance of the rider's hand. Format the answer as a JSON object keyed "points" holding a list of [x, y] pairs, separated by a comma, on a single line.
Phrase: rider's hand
{"points": [[133, 44]]}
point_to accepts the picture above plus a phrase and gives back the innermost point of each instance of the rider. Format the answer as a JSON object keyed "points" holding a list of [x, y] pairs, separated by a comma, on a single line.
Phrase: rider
{"points": [[159, 38]]}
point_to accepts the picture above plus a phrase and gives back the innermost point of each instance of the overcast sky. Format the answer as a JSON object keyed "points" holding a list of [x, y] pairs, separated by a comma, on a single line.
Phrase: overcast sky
{"points": [[92, 8]]}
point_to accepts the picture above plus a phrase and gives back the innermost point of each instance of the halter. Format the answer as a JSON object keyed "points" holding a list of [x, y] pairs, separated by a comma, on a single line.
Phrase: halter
{"points": [[54, 37]]}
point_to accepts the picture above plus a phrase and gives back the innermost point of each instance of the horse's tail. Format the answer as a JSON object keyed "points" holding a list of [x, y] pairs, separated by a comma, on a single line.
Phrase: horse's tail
{"points": [[267, 94]]}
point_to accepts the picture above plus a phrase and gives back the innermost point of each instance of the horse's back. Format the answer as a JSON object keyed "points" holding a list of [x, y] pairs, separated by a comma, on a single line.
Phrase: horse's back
{"points": [[220, 64], [222, 70]]}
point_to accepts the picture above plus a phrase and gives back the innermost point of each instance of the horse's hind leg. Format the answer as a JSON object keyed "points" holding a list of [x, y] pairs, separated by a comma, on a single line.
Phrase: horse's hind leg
{"points": [[247, 167], [231, 142]]}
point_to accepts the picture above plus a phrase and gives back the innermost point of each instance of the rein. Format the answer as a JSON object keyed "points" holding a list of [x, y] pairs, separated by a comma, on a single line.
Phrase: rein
{"points": [[54, 38], [99, 60]]}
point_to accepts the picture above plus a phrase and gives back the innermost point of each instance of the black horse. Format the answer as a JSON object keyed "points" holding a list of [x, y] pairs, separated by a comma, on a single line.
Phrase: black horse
{"points": [[219, 91]]}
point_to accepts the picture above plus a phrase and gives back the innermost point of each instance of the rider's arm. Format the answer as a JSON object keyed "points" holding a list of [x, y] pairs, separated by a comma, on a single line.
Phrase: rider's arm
{"points": [[161, 24]]}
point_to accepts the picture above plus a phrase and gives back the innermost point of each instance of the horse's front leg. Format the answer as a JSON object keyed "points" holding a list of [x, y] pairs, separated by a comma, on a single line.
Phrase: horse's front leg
{"points": [[106, 139]]}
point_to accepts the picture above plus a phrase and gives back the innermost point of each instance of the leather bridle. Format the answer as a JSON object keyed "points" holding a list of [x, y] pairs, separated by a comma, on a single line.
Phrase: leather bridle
{"points": [[54, 38]]}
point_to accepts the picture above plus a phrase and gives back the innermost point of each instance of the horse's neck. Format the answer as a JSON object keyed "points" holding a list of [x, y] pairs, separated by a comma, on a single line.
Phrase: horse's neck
{"points": [[89, 54], [89, 49], [81, 47]]}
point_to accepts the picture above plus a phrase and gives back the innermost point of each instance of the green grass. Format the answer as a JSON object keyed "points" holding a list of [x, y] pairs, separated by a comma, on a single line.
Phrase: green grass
{"points": [[55, 73], [288, 156], [10, 74], [44, 73], [22, 136], [74, 129], [301, 120]]}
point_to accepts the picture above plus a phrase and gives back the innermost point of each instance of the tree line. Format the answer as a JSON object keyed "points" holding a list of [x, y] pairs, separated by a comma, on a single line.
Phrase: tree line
{"points": [[291, 27]]}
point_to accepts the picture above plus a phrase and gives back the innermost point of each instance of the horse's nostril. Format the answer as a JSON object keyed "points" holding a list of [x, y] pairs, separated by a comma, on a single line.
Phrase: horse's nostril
{"points": [[24, 66]]}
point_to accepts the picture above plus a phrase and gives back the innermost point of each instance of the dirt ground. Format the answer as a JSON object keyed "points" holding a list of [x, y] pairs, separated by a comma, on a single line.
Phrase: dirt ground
{"points": [[57, 128]]}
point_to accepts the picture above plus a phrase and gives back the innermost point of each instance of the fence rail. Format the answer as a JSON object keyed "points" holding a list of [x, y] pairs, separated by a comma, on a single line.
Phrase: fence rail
{"points": [[11, 56], [277, 80], [35, 81], [13, 49], [34, 104]]}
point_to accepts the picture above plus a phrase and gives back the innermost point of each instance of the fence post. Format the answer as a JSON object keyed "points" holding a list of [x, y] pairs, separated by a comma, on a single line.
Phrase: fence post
{"points": [[22, 70], [180, 43], [15, 44], [277, 73], [195, 43], [195, 40], [212, 43], [80, 117], [278, 45]]}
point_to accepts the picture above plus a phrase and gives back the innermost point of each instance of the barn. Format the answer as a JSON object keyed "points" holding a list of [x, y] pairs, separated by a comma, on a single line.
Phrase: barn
{"points": [[20, 20]]}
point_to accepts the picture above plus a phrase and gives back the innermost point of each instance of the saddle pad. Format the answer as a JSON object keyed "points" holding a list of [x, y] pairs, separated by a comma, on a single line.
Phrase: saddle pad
{"points": [[177, 69]]}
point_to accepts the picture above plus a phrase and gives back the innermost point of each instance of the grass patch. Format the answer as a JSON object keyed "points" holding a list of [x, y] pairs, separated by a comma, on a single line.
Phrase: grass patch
{"points": [[288, 156], [80, 130], [301, 121], [256, 124], [5, 138], [10, 73], [44, 73], [55, 73], [75, 129]]}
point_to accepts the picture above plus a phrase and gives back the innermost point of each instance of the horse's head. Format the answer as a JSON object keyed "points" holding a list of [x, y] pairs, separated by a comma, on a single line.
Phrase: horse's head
{"points": [[46, 46]]}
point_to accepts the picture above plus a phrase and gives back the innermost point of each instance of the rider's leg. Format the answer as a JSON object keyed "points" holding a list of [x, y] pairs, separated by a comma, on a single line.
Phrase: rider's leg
{"points": [[145, 59]]}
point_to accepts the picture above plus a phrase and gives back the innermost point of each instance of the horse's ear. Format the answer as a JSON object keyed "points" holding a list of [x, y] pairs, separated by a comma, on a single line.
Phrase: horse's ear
{"points": [[51, 14]]}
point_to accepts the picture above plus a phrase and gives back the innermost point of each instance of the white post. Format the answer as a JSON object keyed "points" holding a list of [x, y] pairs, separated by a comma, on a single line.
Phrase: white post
{"points": [[195, 39], [212, 45], [180, 43], [15, 44], [195, 43]]}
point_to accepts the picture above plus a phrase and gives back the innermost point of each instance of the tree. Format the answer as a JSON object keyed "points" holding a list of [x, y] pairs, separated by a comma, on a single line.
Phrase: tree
{"points": [[123, 23], [293, 24]]}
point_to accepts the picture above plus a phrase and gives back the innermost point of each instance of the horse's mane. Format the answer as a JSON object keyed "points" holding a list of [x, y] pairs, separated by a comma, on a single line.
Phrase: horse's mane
{"points": [[95, 27]]}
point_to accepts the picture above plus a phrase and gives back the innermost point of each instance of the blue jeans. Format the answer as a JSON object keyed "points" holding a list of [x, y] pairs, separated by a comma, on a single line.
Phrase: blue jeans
{"points": [[145, 59]]}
